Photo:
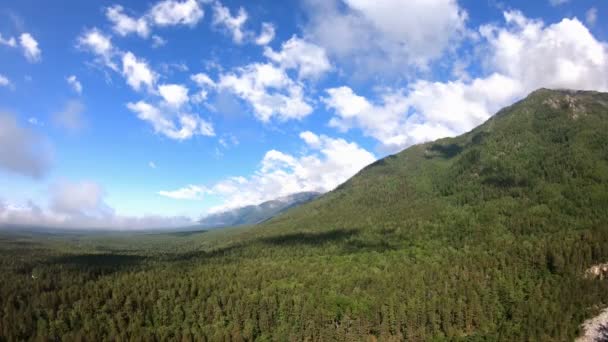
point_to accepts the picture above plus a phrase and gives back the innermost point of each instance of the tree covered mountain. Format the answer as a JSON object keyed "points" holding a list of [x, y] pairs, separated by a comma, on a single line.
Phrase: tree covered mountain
{"points": [[254, 214], [481, 237]]}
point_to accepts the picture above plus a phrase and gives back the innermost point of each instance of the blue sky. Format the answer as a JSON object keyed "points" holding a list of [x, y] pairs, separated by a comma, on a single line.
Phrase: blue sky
{"points": [[138, 114]]}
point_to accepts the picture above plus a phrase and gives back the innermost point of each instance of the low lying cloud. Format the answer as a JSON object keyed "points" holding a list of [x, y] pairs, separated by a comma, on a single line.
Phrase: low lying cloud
{"points": [[81, 205]]}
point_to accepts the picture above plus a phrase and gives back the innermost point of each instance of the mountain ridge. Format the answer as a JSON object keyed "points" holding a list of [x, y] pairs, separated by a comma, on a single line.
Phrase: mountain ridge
{"points": [[255, 214], [435, 157]]}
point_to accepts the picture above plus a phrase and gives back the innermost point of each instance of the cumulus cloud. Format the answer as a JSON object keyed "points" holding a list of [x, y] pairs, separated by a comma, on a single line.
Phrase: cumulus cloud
{"points": [[98, 44], [202, 80], [74, 83], [558, 2], [78, 198], [388, 36], [164, 13], [175, 95], [269, 90], [233, 24], [123, 24], [522, 56], [190, 192], [137, 72], [71, 117], [308, 59], [22, 151], [267, 87], [561, 55], [205, 83], [591, 16], [158, 41], [81, 205], [30, 48], [426, 111], [11, 42], [266, 35], [328, 163], [163, 122], [4, 82], [172, 12]]}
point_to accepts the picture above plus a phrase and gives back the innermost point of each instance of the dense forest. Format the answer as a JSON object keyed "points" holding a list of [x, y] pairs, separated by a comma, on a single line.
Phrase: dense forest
{"points": [[481, 237]]}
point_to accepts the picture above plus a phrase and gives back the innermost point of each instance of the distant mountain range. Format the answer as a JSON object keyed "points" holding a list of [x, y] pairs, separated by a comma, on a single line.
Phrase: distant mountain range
{"points": [[254, 214]]}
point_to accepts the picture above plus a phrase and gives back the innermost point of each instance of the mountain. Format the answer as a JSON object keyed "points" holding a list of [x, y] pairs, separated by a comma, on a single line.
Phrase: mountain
{"points": [[254, 214], [543, 159], [483, 237]]}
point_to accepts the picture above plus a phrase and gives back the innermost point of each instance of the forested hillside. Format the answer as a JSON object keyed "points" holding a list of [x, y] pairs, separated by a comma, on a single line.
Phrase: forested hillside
{"points": [[481, 237]]}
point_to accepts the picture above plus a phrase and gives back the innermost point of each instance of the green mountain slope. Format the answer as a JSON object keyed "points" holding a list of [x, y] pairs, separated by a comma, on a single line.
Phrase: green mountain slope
{"points": [[536, 167], [483, 237]]}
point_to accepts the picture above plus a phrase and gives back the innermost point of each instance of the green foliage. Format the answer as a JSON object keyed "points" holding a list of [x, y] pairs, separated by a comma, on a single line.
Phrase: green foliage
{"points": [[480, 237]]}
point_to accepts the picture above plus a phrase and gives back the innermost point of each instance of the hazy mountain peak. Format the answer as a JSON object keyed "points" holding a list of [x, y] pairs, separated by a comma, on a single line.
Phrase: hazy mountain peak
{"points": [[253, 214]]}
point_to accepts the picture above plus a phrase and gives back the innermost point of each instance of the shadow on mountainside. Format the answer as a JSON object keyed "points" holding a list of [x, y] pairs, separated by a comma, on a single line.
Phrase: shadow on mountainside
{"points": [[97, 260], [308, 238]]}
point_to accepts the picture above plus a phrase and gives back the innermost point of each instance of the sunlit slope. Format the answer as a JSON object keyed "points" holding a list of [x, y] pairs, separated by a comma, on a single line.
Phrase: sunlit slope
{"points": [[537, 166]]}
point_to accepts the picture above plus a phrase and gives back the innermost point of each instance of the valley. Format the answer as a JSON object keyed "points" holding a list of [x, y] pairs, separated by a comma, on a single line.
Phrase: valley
{"points": [[486, 236]]}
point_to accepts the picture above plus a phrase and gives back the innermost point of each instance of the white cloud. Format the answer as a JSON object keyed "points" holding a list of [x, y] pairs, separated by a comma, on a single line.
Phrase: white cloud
{"points": [[266, 35], [22, 151], [81, 205], [561, 55], [309, 59], [205, 83], [228, 140], [558, 2], [190, 192], [11, 42], [124, 24], [78, 198], [158, 41], [100, 45], [427, 111], [311, 139], [175, 95], [234, 24], [199, 97], [172, 12], [162, 121], [389, 36], [137, 72], [202, 80], [591, 16], [328, 163], [71, 117], [269, 90], [152, 165], [30, 47], [523, 56], [4, 82], [74, 83], [34, 121]]}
